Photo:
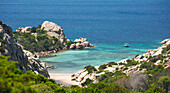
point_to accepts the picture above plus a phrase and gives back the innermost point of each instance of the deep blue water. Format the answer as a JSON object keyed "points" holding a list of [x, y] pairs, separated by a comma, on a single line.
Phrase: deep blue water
{"points": [[108, 24]]}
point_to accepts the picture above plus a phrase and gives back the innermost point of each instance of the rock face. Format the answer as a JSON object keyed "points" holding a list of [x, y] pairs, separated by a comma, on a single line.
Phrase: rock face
{"points": [[54, 30], [10, 47]]}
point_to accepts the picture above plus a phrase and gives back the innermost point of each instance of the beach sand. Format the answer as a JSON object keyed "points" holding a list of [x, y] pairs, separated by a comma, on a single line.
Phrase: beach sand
{"points": [[63, 78]]}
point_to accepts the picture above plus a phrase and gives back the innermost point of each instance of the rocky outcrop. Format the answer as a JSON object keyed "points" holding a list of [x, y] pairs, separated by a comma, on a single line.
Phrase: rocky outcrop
{"points": [[165, 41], [54, 30], [10, 47], [24, 29], [80, 44], [159, 56]]}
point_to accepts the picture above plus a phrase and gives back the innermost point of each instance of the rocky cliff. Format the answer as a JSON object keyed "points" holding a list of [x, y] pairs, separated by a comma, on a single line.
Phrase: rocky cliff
{"points": [[10, 47]]}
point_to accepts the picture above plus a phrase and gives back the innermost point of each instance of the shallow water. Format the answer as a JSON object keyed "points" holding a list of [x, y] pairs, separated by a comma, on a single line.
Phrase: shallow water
{"points": [[73, 60]]}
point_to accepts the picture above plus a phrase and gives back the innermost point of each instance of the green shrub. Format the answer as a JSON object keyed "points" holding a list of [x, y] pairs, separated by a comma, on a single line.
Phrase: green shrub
{"points": [[121, 63], [99, 71], [39, 26], [69, 43], [147, 65], [28, 29], [164, 82], [117, 68], [131, 63], [125, 69], [156, 58], [103, 77], [88, 81], [42, 88], [106, 75], [167, 48], [155, 90], [101, 67], [168, 52], [90, 68], [111, 63], [109, 78], [142, 57], [136, 55], [106, 88], [33, 29], [2, 48], [1, 40], [79, 42]]}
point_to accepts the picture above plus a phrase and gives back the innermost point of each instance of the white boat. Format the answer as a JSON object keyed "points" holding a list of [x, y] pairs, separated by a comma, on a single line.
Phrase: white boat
{"points": [[126, 45]]}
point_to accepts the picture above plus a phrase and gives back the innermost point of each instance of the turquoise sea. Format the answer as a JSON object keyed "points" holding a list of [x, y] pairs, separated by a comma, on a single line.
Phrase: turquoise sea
{"points": [[107, 24]]}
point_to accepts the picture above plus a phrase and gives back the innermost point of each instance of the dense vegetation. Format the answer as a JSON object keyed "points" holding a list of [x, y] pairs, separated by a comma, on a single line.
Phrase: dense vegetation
{"points": [[41, 42], [12, 80], [155, 79], [90, 68]]}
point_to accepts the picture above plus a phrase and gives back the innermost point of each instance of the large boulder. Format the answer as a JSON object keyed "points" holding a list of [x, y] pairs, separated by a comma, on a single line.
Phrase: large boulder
{"points": [[10, 47], [24, 29], [82, 43], [54, 30], [165, 41], [73, 46], [79, 46], [50, 26]]}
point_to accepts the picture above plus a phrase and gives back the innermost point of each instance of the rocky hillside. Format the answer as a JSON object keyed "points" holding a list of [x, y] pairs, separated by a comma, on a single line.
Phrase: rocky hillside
{"points": [[10, 47], [47, 38], [152, 61]]}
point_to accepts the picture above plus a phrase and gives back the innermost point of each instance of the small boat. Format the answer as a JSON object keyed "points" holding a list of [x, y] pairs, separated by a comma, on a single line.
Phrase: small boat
{"points": [[126, 45]]}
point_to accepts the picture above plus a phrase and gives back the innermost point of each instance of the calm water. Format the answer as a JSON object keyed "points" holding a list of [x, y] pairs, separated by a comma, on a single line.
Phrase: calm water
{"points": [[108, 24]]}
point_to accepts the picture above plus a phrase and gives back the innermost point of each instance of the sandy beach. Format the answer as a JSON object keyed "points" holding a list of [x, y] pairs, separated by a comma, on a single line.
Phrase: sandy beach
{"points": [[63, 78]]}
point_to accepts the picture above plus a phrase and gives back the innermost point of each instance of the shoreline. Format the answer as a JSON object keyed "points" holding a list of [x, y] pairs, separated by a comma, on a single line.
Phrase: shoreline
{"points": [[63, 79], [49, 54]]}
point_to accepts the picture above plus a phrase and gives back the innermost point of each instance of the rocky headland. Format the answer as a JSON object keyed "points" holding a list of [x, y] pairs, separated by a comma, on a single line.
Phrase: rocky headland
{"points": [[54, 35], [159, 57]]}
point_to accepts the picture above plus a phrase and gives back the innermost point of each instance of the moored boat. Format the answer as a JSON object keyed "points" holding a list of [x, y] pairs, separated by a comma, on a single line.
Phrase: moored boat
{"points": [[126, 45]]}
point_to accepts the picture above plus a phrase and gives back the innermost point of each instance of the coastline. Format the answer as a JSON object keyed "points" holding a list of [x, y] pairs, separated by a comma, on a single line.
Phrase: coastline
{"points": [[157, 57]]}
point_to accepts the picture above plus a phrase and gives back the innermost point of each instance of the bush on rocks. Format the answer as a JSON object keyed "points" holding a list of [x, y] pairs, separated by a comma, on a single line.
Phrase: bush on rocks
{"points": [[101, 67], [90, 68]]}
